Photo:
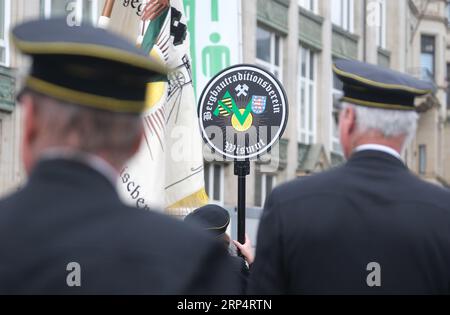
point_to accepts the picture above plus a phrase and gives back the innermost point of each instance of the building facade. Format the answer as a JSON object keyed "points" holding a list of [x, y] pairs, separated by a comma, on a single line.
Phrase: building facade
{"points": [[297, 40]]}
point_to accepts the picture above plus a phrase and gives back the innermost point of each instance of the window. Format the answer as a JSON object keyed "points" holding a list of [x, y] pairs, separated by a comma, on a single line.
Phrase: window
{"points": [[342, 14], [337, 93], [86, 9], [264, 184], [269, 51], [427, 62], [307, 96], [448, 14], [310, 5], [214, 181], [422, 159], [5, 14]]}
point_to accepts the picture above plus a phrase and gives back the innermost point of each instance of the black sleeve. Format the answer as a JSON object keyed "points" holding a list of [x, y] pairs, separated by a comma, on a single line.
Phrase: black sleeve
{"points": [[267, 276], [242, 271], [216, 275]]}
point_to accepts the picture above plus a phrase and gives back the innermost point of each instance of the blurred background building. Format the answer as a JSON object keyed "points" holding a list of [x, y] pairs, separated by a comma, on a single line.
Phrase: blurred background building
{"points": [[297, 40]]}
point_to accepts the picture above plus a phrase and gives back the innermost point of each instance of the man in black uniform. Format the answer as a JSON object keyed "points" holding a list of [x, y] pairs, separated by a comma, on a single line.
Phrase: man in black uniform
{"points": [[370, 226], [66, 231], [215, 220]]}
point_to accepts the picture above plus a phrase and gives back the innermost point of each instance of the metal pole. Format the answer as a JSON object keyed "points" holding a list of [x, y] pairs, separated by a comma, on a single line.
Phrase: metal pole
{"points": [[241, 169], [105, 18], [108, 8]]}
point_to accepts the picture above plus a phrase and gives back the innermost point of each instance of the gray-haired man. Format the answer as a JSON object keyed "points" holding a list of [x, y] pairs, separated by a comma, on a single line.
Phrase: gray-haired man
{"points": [[66, 231], [370, 226]]}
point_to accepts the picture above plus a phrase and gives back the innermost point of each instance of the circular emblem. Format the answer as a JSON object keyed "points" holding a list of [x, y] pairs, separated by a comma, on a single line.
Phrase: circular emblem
{"points": [[243, 112]]}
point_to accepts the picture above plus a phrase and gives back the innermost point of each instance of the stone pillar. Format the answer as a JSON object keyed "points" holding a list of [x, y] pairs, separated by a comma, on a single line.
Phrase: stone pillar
{"points": [[371, 34], [396, 28], [249, 22], [290, 63], [325, 80]]}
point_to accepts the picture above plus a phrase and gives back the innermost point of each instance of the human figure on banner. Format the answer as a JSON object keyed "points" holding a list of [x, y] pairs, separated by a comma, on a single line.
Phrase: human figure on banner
{"points": [[215, 57]]}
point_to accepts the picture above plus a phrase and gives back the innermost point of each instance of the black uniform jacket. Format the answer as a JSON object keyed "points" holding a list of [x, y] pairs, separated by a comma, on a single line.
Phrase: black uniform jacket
{"points": [[70, 213], [368, 227]]}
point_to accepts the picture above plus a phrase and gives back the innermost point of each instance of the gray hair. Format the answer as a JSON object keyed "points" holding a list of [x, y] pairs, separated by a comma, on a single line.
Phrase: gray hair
{"points": [[390, 123], [87, 129]]}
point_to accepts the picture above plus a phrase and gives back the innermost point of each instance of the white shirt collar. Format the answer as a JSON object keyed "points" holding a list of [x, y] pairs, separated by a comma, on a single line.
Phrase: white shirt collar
{"points": [[91, 160], [378, 147]]}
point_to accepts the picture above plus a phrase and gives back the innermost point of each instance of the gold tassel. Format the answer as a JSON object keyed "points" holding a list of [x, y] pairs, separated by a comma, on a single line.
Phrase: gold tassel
{"points": [[186, 205]]}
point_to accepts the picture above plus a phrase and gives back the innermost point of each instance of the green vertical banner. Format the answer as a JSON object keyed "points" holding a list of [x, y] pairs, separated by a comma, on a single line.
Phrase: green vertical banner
{"points": [[215, 10], [189, 9], [215, 30]]}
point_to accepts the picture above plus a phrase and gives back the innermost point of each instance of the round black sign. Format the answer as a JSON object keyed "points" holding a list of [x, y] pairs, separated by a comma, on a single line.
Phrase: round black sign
{"points": [[243, 112]]}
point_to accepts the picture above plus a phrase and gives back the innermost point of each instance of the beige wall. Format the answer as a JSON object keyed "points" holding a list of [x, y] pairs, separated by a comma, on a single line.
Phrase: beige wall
{"points": [[433, 127], [11, 170]]}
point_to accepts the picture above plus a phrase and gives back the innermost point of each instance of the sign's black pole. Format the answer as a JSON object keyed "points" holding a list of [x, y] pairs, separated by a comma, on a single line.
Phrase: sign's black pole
{"points": [[242, 101], [241, 170]]}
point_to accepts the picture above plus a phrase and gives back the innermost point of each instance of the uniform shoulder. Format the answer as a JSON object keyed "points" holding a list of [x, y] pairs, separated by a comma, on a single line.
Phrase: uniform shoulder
{"points": [[10, 202], [428, 192], [12, 196], [321, 183]]}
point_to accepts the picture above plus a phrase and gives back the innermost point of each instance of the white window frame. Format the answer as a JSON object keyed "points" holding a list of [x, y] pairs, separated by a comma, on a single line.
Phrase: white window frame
{"points": [[309, 131], [422, 161], [4, 43], [263, 186], [347, 16], [425, 75], [210, 189], [271, 66], [335, 140], [306, 4], [381, 31], [95, 13], [79, 6]]}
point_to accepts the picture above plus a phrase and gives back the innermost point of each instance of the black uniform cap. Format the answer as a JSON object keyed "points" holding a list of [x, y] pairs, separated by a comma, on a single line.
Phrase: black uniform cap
{"points": [[213, 218], [86, 65], [375, 86]]}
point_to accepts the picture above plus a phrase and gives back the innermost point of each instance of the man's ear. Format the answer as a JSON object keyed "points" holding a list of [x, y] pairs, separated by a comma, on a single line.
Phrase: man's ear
{"points": [[30, 131], [29, 114], [350, 116], [347, 128]]}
